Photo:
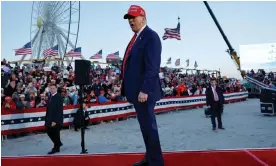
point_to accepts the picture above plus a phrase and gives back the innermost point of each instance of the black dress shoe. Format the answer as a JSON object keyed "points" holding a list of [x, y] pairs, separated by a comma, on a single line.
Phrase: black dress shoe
{"points": [[141, 163], [222, 128], [53, 151], [214, 129]]}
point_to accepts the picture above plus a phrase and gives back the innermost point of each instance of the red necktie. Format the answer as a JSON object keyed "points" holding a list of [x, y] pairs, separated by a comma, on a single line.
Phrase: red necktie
{"points": [[127, 52]]}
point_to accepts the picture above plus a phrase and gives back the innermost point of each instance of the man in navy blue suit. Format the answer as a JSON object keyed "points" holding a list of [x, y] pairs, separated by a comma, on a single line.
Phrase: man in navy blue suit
{"points": [[141, 84]]}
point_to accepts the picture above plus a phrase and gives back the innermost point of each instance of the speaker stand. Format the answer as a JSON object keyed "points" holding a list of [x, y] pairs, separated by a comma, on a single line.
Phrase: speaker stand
{"points": [[83, 150]]}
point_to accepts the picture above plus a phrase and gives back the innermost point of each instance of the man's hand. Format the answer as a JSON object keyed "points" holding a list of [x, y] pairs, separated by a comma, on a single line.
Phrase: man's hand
{"points": [[53, 124], [142, 97], [7, 105]]}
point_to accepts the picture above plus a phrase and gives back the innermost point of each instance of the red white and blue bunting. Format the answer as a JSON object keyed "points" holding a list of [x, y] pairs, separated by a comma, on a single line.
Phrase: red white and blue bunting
{"points": [[32, 119]]}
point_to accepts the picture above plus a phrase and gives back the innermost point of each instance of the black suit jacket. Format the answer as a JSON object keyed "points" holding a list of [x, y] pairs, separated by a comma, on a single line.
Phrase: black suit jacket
{"points": [[210, 99], [54, 111]]}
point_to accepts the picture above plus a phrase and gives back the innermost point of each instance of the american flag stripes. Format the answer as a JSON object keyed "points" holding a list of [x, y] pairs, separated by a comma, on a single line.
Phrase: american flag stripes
{"points": [[98, 55], [177, 62], [171, 33], [51, 51], [74, 52], [25, 50], [113, 56]]}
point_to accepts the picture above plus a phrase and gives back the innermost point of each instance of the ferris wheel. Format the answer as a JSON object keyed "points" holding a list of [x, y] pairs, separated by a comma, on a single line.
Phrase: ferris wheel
{"points": [[54, 23]]}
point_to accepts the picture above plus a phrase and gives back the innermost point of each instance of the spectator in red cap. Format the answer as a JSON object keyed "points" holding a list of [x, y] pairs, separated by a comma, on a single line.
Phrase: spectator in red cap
{"points": [[9, 104], [141, 84], [101, 97]]}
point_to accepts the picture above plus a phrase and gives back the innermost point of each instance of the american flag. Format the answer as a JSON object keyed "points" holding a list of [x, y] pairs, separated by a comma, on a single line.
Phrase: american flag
{"points": [[187, 61], [51, 51], [195, 65], [25, 50], [169, 61], [74, 52], [177, 62], [172, 32], [98, 55], [113, 56]]}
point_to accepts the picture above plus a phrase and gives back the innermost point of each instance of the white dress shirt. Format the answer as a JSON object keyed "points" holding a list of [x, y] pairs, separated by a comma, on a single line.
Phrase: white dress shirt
{"points": [[214, 91], [138, 33]]}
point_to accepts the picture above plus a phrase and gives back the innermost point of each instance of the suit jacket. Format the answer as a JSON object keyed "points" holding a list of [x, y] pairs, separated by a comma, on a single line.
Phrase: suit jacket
{"points": [[141, 72], [54, 111], [210, 99]]}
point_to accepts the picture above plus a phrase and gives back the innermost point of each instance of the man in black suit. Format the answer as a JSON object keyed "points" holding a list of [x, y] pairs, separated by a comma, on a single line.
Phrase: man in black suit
{"points": [[54, 119], [215, 101]]}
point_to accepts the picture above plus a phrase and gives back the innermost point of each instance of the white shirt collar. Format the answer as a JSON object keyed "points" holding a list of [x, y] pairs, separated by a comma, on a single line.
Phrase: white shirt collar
{"points": [[54, 94], [138, 33]]}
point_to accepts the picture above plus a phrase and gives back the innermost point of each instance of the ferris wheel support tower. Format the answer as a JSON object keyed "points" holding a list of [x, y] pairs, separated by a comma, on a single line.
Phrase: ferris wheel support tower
{"points": [[54, 23]]}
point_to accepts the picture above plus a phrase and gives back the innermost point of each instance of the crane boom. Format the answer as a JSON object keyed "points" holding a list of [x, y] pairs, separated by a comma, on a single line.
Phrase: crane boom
{"points": [[231, 51]]}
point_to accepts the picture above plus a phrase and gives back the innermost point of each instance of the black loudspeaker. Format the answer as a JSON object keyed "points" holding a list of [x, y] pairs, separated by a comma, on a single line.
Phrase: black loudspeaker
{"points": [[268, 108], [267, 96], [274, 97], [268, 101], [82, 72]]}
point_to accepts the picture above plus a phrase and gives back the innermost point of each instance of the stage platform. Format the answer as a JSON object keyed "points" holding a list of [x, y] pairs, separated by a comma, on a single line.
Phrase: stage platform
{"points": [[249, 157]]}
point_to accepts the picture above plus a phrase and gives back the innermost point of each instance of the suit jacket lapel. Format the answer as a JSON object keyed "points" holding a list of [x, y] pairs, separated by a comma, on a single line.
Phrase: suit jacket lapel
{"points": [[218, 91], [138, 40]]}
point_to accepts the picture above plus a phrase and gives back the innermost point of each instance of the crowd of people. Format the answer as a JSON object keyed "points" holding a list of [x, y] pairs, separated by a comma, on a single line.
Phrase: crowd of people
{"points": [[177, 83], [268, 78], [27, 86]]}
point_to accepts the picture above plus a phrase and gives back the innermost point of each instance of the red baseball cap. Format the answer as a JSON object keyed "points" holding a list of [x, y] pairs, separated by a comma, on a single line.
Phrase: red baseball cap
{"points": [[134, 11]]}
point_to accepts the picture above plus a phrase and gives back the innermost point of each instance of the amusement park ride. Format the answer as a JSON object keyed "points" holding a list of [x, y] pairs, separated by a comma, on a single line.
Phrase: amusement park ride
{"points": [[57, 23], [53, 23]]}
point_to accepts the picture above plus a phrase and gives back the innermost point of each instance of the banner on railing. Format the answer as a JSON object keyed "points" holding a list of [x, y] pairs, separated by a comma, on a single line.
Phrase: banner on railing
{"points": [[33, 119]]}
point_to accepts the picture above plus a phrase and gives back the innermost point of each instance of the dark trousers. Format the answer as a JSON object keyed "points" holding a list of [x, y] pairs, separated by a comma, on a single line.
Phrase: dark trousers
{"points": [[54, 135], [216, 112], [148, 126]]}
